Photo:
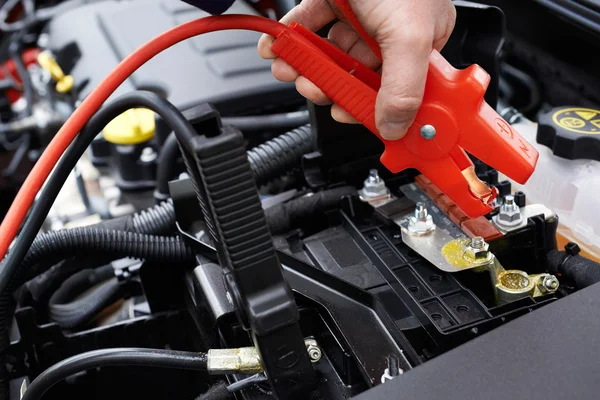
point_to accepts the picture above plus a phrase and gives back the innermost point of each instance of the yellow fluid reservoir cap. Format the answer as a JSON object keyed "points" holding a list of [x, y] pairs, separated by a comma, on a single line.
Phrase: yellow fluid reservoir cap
{"points": [[134, 126]]}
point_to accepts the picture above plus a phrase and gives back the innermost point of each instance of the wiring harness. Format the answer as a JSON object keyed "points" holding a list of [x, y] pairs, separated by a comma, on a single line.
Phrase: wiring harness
{"points": [[52, 158]]}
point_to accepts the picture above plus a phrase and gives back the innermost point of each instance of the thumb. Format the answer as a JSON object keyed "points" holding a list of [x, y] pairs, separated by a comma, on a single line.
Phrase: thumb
{"points": [[405, 54]]}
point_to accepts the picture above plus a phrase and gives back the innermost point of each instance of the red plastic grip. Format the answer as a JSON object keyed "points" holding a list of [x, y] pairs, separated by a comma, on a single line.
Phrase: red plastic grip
{"points": [[453, 103]]}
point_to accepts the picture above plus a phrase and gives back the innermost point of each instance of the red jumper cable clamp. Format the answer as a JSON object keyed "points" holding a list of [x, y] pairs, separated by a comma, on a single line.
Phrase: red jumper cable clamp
{"points": [[453, 118]]}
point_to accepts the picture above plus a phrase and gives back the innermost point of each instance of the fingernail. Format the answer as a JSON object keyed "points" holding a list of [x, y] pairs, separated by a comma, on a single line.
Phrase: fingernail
{"points": [[392, 130]]}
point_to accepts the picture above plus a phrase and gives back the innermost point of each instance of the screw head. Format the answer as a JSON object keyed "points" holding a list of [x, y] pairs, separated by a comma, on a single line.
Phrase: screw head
{"points": [[428, 132]]}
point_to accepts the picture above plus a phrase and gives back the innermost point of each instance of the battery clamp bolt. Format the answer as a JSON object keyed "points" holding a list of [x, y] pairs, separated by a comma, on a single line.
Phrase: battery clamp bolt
{"points": [[374, 187], [550, 284], [510, 213], [477, 250], [421, 223]]}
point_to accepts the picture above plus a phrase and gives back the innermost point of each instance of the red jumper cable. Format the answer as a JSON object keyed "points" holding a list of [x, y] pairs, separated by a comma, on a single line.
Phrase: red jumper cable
{"points": [[469, 124]]}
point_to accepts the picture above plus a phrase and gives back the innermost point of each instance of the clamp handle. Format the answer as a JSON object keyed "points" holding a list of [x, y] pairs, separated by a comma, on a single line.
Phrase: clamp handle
{"points": [[227, 194], [453, 105]]}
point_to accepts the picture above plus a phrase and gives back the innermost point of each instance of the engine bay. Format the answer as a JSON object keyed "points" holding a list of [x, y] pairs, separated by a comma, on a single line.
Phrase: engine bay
{"points": [[210, 234]]}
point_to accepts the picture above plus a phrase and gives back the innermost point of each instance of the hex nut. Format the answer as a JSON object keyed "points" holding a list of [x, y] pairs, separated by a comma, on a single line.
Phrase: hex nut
{"points": [[511, 217], [478, 254], [374, 187], [420, 226], [550, 284], [510, 213]]}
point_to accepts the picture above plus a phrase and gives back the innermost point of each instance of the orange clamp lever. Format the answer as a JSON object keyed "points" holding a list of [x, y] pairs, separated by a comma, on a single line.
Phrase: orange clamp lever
{"points": [[453, 118]]}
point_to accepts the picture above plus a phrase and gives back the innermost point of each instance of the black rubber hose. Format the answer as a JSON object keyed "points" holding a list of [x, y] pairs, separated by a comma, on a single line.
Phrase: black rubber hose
{"points": [[113, 357], [156, 220], [81, 281], [274, 157], [39, 289], [582, 271], [52, 247], [269, 160], [72, 314], [287, 216]]}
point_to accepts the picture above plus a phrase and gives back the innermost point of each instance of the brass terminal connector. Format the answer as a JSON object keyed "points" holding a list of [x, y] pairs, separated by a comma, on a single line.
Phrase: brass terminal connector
{"points": [[244, 360]]}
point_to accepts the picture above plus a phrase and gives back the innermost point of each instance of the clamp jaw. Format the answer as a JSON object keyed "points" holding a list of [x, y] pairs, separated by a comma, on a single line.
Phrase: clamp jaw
{"points": [[453, 120], [225, 188]]}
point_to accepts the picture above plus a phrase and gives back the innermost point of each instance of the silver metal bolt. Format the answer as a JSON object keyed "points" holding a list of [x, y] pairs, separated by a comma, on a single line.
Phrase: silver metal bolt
{"points": [[421, 223], [374, 176], [421, 211], [477, 242], [509, 200], [428, 132], [550, 283], [148, 155], [313, 349], [477, 250], [510, 213], [374, 187]]}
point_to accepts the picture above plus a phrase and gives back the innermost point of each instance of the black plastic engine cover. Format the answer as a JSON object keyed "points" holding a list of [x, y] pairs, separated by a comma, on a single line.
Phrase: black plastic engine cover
{"points": [[222, 68]]}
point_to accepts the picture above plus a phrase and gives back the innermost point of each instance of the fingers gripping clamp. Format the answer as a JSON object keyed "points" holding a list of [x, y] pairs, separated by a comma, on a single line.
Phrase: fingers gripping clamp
{"points": [[454, 117]]}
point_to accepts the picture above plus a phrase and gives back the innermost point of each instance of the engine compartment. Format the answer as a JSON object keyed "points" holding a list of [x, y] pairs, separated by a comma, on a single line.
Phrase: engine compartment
{"points": [[262, 223]]}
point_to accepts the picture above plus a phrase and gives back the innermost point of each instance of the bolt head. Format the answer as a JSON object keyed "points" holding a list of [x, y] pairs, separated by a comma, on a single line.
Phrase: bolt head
{"points": [[479, 253], [374, 186], [510, 214], [420, 226], [550, 283]]}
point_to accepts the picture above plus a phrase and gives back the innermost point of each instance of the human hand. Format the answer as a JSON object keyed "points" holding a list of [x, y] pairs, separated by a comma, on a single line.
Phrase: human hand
{"points": [[406, 30]]}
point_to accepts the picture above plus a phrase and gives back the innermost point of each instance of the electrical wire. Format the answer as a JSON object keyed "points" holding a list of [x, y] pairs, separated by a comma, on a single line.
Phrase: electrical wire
{"points": [[66, 164], [246, 383], [113, 357], [94, 100], [11, 277]]}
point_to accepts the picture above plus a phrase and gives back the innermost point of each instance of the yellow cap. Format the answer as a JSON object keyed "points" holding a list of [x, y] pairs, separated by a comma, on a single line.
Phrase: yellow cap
{"points": [[64, 83], [134, 126]]}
